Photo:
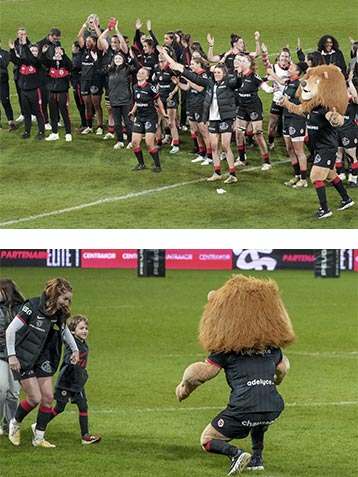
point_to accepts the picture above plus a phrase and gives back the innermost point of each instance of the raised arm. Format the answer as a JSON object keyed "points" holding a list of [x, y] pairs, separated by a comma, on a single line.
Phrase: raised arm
{"points": [[80, 37], [211, 57]]}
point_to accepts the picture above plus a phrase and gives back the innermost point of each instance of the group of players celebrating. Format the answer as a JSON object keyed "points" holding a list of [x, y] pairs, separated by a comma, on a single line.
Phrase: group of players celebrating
{"points": [[154, 91]]}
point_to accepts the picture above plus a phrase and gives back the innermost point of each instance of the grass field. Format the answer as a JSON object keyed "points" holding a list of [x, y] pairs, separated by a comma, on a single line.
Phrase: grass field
{"points": [[143, 333], [86, 184]]}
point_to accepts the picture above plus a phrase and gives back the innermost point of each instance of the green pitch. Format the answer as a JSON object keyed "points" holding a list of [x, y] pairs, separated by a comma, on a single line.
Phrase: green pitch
{"points": [[143, 333], [87, 184]]}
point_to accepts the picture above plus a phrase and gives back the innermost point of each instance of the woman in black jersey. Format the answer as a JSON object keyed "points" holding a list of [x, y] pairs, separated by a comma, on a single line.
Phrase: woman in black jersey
{"points": [[92, 80], [250, 106], [294, 127], [145, 115], [165, 79], [33, 341]]}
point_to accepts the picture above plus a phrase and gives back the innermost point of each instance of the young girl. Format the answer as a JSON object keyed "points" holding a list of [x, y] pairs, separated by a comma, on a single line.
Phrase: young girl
{"points": [[33, 341], [72, 378]]}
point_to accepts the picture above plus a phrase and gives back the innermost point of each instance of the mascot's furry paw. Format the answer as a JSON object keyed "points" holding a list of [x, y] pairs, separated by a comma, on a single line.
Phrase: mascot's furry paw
{"points": [[194, 375], [335, 119], [281, 370], [284, 101]]}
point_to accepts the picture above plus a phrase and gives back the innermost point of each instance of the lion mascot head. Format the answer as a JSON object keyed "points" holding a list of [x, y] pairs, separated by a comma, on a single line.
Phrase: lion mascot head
{"points": [[245, 313], [325, 86]]}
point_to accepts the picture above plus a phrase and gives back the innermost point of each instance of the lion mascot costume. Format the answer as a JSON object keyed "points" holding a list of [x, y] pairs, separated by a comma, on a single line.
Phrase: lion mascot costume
{"points": [[243, 327], [324, 101]]}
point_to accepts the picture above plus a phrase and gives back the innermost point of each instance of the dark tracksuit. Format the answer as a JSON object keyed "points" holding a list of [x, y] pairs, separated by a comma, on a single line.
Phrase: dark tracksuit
{"points": [[120, 97], [4, 84], [29, 84], [58, 84], [18, 49]]}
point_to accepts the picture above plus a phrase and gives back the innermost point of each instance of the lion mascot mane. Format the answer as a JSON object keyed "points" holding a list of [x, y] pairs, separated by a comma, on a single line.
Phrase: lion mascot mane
{"points": [[321, 86], [244, 315]]}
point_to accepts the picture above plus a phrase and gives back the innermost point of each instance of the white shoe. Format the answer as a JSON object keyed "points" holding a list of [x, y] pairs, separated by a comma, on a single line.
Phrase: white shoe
{"points": [[231, 180], [239, 163], [207, 162], [60, 124], [53, 137], [33, 428], [174, 150], [118, 145], [199, 159], [109, 135], [266, 167], [99, 131], [215, 177], [166, 139], [183, 128], [342, 176], [20, 119], [222, 156], [33, 118], [41, 443], [129, 146], [14, 432], [48, 127], [68, 137], [87, 131], [271, 146], [301, 184]]}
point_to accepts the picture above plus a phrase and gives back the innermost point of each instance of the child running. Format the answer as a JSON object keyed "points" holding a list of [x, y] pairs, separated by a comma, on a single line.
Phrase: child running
{"points": [[72, 379]]}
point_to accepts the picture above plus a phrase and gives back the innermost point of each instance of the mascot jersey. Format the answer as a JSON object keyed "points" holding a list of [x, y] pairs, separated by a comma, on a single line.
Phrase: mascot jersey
{"points": [[251, 379], [320, 131]]}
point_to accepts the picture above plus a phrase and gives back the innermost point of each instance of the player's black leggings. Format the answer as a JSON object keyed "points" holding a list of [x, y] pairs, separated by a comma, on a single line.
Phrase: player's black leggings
{"points": [[58, 103], [32, 104], [120, 113], [5, 100]]}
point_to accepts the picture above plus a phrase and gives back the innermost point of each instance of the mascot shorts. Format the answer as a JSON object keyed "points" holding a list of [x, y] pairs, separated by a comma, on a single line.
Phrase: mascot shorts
{"points": [[238, 426]]}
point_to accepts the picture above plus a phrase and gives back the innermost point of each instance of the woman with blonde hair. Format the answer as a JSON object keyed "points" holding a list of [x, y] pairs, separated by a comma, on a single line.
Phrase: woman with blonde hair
{"points": [[33, 341]]}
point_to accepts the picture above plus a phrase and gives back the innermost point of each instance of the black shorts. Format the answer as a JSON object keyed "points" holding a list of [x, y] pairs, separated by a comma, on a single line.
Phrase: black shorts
{"points": [[325, 158], [62, 395], [294, 127], [251, 112], [238, 426], [276, 109], [41, 369], [171, 103], [348, 138], [220, 127], [92, 87], [145, 125], [195, 116]]}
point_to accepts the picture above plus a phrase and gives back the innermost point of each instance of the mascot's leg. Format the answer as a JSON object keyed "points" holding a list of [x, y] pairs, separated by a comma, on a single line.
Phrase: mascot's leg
{"points": [[318, 176], [338, 184], [257, 439], [216, 443]]}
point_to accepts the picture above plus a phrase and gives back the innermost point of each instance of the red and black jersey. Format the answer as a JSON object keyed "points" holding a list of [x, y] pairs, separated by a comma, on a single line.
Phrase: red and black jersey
{"points": [[58, 73], [162, 78], [350, 116], [29, 73], [248, 91], [73, 377], [144, 97]]}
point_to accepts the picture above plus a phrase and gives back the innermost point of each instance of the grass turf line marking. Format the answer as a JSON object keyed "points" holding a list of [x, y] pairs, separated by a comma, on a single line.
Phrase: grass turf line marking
{"points": [[131, 195], [214, 408]]}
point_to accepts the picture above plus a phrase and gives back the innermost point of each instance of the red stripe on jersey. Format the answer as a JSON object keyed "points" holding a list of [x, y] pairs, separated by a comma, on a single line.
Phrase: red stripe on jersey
{"points": [[212, 362], [27, 70], [20, 318], [58, 73]]}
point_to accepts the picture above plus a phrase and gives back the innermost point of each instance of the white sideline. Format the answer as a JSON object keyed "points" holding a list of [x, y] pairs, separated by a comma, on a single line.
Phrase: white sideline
{"points": [[214, 408], [131, 195]]}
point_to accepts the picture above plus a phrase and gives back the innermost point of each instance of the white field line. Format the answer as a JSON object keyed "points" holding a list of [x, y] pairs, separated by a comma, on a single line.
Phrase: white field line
{"points": [[131, 195], [324, 354], [181, 408]]}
